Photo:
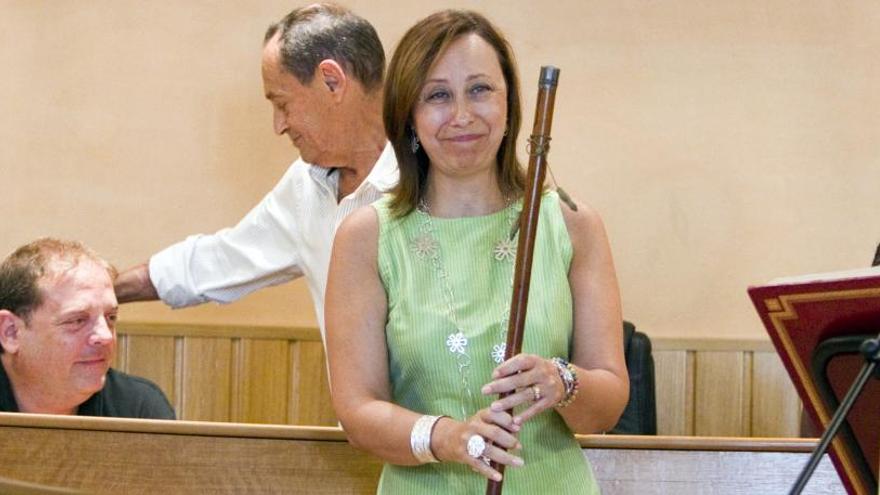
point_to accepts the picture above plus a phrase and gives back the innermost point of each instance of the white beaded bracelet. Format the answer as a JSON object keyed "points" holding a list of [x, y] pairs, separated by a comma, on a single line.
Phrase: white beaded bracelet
{"points": [[420, 438]]}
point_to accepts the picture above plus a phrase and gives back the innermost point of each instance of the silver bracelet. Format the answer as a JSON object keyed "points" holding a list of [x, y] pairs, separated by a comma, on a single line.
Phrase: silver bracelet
{"points": [[420, 438], [570, 381]]}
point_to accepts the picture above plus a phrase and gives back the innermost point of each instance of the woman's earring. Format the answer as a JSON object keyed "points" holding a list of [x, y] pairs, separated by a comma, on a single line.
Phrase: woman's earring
{"points": [[505, 131], [414, 143]]}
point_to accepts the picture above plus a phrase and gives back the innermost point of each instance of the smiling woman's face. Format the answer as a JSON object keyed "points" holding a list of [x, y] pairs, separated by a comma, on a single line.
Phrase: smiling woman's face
{"points": [[461, 112]]}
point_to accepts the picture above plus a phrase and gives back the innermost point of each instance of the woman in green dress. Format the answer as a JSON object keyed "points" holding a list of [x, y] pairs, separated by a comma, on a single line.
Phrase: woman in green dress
{"points": [[420, 285]]}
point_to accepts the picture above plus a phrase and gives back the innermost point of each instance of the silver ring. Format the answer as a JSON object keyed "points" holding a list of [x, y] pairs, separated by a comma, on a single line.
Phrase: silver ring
{"points": [[537, 391], [476, 446]]}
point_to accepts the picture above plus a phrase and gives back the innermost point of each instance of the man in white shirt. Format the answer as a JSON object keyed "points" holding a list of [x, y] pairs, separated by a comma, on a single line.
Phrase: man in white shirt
{"points": [[322, 71]]}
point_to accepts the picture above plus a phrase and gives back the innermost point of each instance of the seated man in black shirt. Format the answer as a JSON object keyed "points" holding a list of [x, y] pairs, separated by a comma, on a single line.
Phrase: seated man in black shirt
{"points": [[58, 337]]}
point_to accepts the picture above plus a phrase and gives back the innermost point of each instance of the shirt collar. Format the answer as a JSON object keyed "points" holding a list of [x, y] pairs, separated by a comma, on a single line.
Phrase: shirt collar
{"points": [[382, 177], [326, 177]]}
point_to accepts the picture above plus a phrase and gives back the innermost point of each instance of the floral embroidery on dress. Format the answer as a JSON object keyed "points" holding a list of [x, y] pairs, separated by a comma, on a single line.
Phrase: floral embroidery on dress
{"points": [[424, 246], [498, 351], [505, 250], [457, 343]]}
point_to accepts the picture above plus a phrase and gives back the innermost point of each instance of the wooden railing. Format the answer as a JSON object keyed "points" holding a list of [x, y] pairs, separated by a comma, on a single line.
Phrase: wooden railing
{"points": [[113, 455]]}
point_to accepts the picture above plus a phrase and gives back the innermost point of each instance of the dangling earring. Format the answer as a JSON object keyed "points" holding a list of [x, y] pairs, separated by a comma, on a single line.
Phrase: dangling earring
{"points": [[414, 143]]}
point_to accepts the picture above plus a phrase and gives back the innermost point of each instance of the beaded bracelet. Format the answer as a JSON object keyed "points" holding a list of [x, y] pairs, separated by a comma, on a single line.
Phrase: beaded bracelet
{"points": [[569, 377], [420, 438]]}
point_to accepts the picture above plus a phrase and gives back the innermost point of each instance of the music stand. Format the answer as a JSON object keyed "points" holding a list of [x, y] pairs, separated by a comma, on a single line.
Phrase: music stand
{"points": [[815, 322], [824, 358]]}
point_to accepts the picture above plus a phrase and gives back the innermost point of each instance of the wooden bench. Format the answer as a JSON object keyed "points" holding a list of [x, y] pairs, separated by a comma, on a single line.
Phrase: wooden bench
{"points": [[111, 455]]}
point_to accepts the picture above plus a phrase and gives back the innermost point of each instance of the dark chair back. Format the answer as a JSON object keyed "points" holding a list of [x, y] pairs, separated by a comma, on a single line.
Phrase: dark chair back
{"points": [[640, 415]]}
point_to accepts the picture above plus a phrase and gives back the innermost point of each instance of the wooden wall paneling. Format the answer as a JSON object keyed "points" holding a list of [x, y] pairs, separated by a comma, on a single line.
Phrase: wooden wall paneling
{"points": [[310, 402], [746, 406], [278, 375], [206, 367], [178, 375], [674, 391], [263, 383], [776, 407], [719, 394], [153, 358], [119, 361], [236, 380]]}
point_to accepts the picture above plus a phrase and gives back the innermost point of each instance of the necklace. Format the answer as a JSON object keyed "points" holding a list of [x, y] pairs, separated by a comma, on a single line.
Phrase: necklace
{"points": [[426, 247]]}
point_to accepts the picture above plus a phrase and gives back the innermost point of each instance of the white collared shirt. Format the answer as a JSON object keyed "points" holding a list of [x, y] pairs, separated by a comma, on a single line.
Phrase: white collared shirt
{"points": [[287, 235]]}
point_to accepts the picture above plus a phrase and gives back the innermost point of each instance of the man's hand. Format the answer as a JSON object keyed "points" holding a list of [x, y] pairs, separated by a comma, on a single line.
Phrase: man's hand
{"points": [[134, 284]]}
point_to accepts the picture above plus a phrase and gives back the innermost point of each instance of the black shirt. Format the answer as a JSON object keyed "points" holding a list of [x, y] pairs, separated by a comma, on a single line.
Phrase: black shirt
{"points": [[123, 396]]}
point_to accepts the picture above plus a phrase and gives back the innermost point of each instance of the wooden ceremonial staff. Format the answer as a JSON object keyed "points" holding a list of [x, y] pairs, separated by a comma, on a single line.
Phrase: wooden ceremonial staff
{"points": [[539, 145]]}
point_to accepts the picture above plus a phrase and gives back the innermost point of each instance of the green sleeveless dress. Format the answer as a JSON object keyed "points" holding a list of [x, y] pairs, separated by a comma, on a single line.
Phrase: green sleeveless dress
{"points": [[425, 373]]}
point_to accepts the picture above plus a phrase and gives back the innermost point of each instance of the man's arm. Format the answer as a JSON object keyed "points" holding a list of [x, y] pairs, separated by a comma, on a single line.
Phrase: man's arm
{"points": [[134, 284], [260, 251]]}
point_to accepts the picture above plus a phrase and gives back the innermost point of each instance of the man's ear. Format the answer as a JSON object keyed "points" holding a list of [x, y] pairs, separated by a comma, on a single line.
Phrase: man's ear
{"points": [[10, 326], [330, 74]]}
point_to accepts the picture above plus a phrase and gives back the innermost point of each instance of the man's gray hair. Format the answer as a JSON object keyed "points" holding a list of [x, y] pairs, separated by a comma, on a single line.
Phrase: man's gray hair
{"points": [[309, 35]]}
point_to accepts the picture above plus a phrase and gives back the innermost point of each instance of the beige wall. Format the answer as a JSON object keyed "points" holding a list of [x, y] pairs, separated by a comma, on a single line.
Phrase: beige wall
{"points": [[726, 143]]}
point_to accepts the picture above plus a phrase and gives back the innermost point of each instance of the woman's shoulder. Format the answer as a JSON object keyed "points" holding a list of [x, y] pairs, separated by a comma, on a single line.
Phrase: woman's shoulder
{"points": [[582, 220], [361, 225]]}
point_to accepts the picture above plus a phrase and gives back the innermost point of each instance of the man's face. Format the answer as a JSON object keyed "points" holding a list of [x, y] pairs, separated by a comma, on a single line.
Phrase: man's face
{"points": [[68, 344], [304, 113]]}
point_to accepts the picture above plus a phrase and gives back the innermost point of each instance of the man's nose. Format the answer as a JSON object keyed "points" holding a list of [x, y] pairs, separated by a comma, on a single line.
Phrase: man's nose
{"points": [[279, 121], [102, 334]]}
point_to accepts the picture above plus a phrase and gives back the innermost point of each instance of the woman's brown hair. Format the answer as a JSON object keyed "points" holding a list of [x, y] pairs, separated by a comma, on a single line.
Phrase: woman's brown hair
{"points": [[413, 58]]}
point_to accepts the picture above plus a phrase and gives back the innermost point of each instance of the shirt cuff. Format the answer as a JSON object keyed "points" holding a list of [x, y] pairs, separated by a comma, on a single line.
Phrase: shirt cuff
{"points": [[170, 274]]}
